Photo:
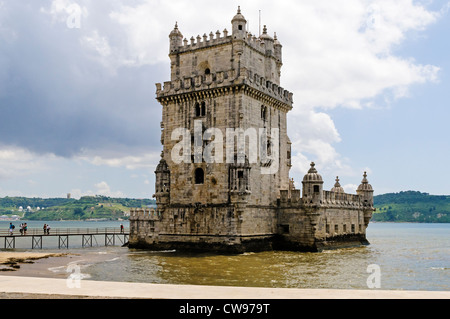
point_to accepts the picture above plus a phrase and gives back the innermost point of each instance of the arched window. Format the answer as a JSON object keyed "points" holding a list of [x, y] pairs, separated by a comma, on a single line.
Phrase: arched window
{"points": [[203, 113], [207, 71], [199, 176], [197, 109], [263, 113]]}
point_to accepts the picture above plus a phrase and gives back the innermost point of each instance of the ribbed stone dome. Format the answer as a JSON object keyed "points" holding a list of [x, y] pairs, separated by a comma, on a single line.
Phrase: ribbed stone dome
{"points": [[265, 35], [337, 187], [365, 186], [238, 16], [312, 175], [175, 31]]}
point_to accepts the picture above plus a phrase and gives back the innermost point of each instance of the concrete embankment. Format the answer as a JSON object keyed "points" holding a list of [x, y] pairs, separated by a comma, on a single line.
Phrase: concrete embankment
{"points": [[30, 287]]}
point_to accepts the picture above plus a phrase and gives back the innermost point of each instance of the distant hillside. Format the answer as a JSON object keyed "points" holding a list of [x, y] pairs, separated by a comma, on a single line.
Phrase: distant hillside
{"points": [[412, 206], [87, 207]]}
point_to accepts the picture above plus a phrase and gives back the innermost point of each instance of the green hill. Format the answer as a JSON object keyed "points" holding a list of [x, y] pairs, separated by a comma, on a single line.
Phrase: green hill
{"points": [[409, 206], [412, 206], [87, 207]]}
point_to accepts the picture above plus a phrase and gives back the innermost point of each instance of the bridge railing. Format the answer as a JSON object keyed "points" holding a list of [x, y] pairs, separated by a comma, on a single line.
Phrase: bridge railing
{"points": [[65, 231]]}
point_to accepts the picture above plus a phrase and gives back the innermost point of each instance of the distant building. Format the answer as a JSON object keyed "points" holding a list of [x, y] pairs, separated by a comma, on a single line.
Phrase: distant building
{"points": [[232, 81]]}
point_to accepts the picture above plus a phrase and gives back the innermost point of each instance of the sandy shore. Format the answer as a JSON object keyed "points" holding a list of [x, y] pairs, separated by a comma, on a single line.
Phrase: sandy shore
{"points": [[11, 261]]}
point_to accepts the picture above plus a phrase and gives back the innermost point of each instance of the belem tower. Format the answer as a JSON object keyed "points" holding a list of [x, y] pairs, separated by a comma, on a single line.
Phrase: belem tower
{"points": [[229, 201]]}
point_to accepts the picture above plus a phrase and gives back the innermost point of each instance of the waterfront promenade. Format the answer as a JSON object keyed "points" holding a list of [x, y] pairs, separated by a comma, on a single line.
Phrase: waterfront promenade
{"points": [[29, 287]]}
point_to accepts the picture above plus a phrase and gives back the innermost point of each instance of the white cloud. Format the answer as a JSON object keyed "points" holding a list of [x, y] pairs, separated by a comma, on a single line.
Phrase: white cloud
{"points": [[350, 188], [104, 189], [18, 162], [338, 53], [149, 160]]}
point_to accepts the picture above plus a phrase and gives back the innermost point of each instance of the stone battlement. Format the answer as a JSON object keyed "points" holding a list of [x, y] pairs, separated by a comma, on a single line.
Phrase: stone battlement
{"points": [[329, 199], [224, 79], [264, 47], [341, 199], [143, 214]]}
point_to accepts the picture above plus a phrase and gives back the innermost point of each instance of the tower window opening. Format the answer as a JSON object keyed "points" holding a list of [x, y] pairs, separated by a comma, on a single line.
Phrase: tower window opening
{"points": [[207, 71], [240, 174], [316, 188], [199, 176], [240, 27], [263, 113], [203, 110], [197, 109]]}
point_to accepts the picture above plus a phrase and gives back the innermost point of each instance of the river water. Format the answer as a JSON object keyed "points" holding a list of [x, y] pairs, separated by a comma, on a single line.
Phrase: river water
{"points": [[401, 255]]}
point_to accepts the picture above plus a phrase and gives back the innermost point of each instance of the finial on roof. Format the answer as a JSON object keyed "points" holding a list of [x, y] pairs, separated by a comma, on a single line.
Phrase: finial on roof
{"points": [[313, 168], [239, 9], [337, 182]]}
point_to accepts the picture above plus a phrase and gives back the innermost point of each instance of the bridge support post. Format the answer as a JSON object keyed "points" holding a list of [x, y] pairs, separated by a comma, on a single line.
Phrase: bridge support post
{"points": [[63, 241], [10, 242], [87, 240], [36, 242], [109, 240]]}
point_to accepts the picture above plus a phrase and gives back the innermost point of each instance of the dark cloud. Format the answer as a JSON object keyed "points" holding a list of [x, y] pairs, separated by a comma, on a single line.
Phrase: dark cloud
{"points": [[58, 96]]}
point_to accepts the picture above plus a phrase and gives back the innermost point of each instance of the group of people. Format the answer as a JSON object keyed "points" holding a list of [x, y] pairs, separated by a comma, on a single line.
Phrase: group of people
{"points": [[46, 229], [24, 229]]}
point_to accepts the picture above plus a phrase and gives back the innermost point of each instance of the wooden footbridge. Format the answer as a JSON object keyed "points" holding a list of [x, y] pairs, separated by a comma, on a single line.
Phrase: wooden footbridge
{"points": [[112, 236]]}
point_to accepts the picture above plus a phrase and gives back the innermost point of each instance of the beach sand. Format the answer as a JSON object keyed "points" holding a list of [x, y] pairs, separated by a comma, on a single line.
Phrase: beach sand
{"points": [[19, 263]]}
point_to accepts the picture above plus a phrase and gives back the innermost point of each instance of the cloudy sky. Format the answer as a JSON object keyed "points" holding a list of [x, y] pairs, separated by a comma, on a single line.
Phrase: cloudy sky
{"points": [[371, 84]]}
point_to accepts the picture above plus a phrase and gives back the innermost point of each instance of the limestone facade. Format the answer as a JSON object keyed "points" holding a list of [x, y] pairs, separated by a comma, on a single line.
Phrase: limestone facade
{"points": [[223, 84]]}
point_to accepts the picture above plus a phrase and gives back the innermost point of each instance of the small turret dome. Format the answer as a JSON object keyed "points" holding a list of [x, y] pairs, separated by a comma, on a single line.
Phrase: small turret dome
{"points": [[365, 186], [265, 36], [276, 41], [337, 187], [312, 175], [175, 31], [239, 17]]}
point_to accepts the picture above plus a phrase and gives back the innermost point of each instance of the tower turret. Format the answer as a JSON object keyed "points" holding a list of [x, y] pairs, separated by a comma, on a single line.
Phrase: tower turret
{"points": [[366, 191], [312, 187], [239, 26], [176, 39], [277, 48], [162, 183], [268, 41]]}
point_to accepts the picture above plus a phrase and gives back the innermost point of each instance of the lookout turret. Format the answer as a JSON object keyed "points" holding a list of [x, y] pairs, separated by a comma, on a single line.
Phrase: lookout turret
{"points": [[176, 39], [312, 187], [239, 25], [366, 191]]}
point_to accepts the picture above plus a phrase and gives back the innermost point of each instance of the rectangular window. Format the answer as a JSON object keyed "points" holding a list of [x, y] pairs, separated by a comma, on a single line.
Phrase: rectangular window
{"points": [[353, 228], [284, 229], [336, 228]]}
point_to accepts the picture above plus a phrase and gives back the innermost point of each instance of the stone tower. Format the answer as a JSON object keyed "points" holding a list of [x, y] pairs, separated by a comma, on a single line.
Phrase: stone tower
{"points": [[223, 179]]}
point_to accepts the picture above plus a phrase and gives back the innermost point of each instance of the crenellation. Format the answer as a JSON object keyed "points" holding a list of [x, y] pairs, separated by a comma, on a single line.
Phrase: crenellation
{"points": [[222, 79]]}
